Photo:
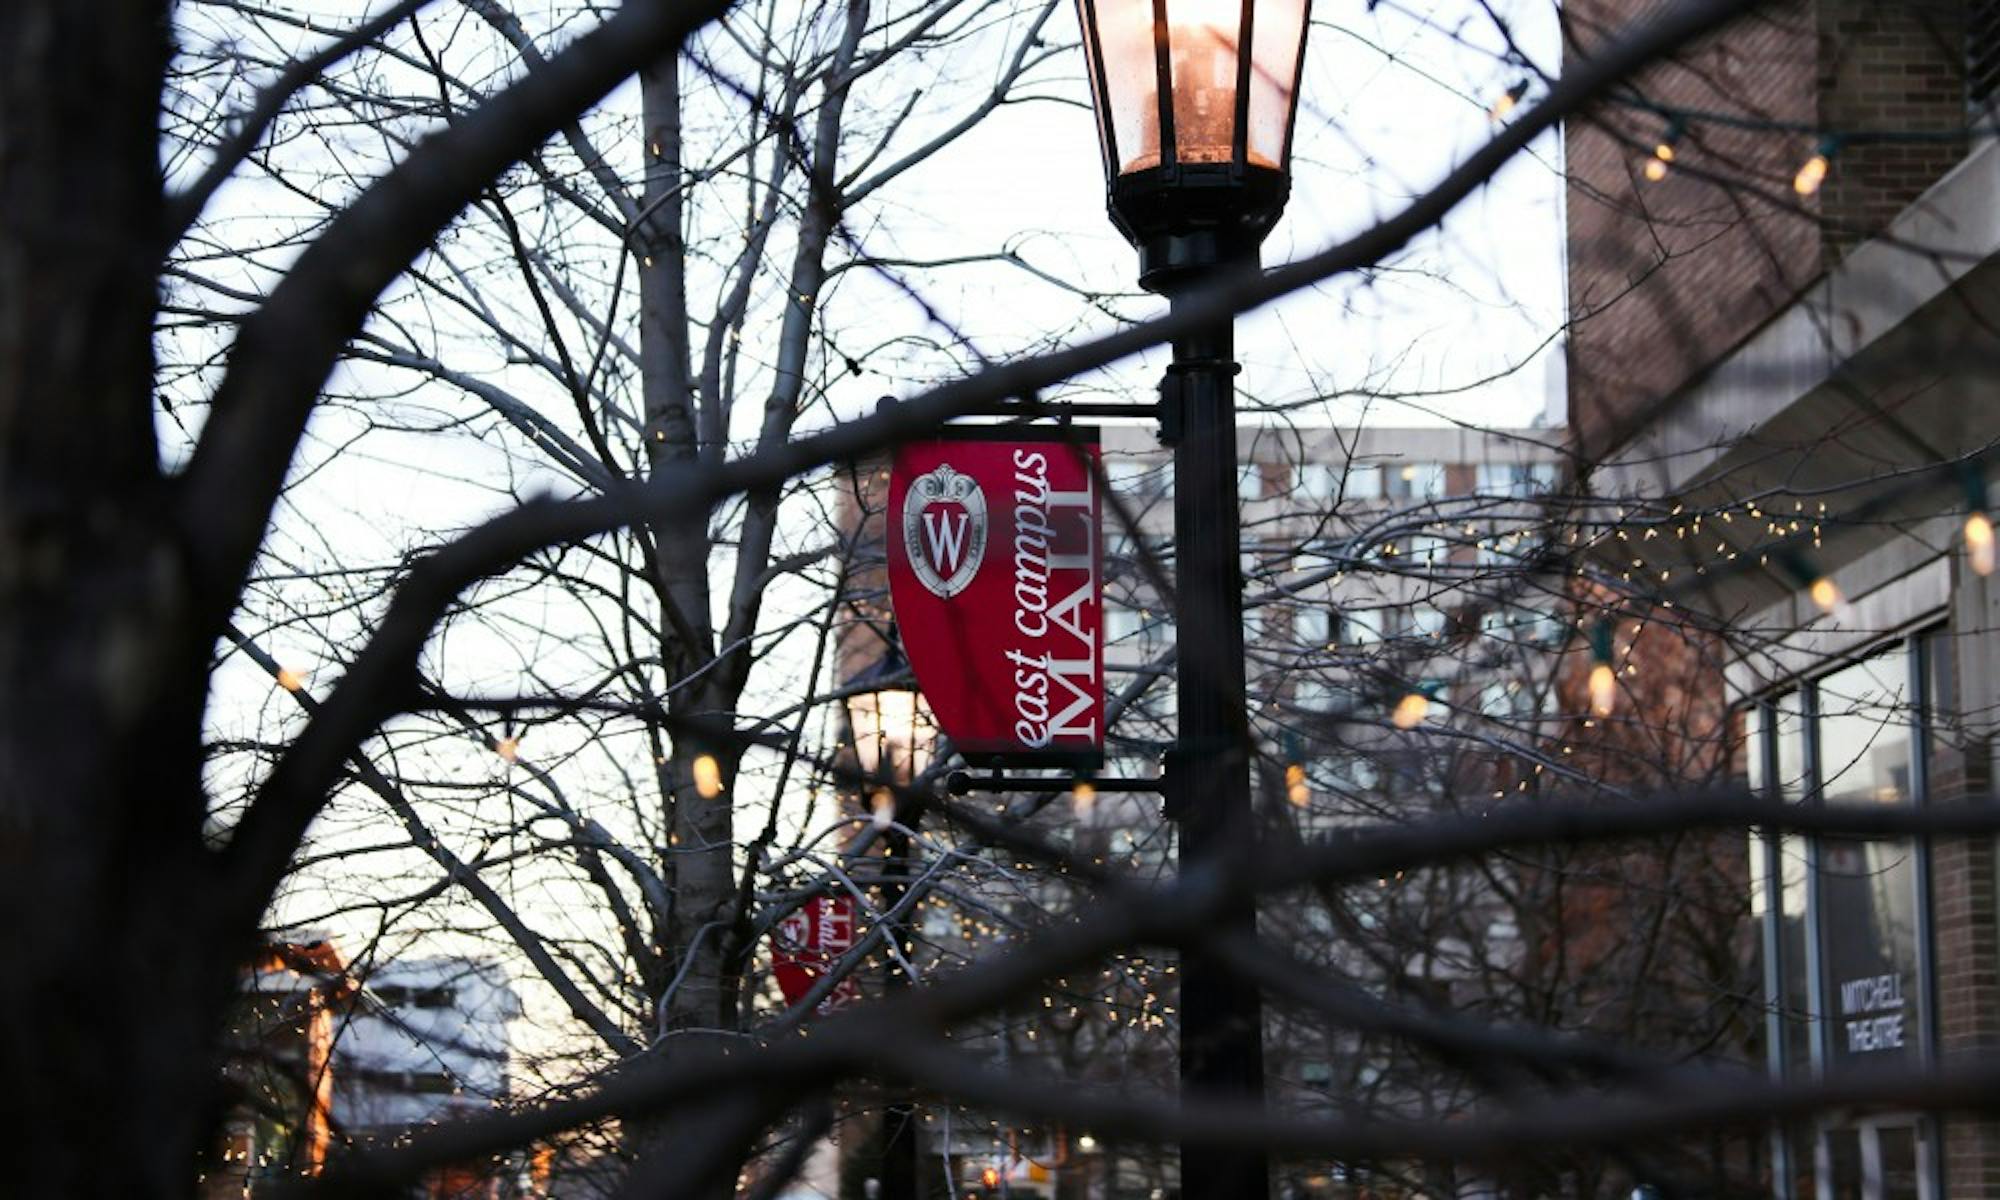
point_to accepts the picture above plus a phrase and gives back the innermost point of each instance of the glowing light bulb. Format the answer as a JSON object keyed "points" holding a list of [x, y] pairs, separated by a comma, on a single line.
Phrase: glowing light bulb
{"points": [[1411, 711], [1826, 593], [1603, 689], [882, 808], [990, 1177], [1810, 176], [1086, 1143], [707, 776], [1083, 798], [1296, 789], [1979, 550], [1657, 166], [1509, 100], [292, 681], [508, 748]]}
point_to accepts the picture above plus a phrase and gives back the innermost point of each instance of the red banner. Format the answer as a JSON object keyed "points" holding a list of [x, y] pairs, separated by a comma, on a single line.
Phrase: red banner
{"points": [[996, 578], [809, 941]]}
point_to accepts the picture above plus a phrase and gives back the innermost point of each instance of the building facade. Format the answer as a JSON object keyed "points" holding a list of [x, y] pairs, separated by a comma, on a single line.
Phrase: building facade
{"points": [[1781, 365]]}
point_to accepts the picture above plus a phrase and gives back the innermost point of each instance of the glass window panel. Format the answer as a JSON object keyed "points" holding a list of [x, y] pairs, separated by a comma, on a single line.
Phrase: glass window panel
{"points": [[1361, 628], [1202, 37], [1319, 481], [1138, 479], [1275, 41], [1843, 1159], [1131, 77], [1750, 752], [1363, 483], [1795, 1000], [1119, 622], [1789, 728], [1940, 674], [1864, 732], [1416, 481], [1426, 620], [1799, 1148], [1868, 918], [1312, 626], [1317, 695], [1898, 1148]]}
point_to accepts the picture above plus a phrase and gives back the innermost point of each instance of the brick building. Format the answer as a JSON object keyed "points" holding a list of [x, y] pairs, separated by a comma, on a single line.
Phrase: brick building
{"points": [[1779, 322]]}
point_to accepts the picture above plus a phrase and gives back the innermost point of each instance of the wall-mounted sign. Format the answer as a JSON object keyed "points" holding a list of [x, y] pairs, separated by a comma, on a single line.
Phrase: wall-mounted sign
{"points": [[995, 575], [807, 943], [1871, 1014]]}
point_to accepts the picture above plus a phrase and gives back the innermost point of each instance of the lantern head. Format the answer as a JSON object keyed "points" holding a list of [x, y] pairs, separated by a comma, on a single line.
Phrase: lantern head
{"points": [[1195, 102]]}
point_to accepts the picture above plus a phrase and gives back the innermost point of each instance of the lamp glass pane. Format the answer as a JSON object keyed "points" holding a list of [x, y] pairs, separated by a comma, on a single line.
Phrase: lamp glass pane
{"points": [[1275, 41], [1202, 37], [1100, 104], [1131, 77]]}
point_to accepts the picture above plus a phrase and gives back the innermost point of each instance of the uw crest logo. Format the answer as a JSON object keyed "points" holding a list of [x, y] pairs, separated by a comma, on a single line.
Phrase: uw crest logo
{"points": [[944, 530]]}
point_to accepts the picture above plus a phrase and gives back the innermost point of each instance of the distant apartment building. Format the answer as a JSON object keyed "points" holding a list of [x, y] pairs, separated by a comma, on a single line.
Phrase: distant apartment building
{"points": [[427, 1041]]}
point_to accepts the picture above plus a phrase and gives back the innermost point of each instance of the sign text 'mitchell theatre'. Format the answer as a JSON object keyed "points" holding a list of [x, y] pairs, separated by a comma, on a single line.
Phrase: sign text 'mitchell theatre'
{"points": [[995, 574]]}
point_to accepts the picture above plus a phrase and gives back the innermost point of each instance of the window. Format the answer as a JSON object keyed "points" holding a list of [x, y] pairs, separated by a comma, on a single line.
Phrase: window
{"points": [[1119, 622], [1426, 620], [1333, 483], [1361, 482], [1314, 694], [1312, 627], [1138, 479], [1416, 481], [1428, 549], [1249, 482], [1517, 480], [395, 995], [1361, 627], [1841, 914]]}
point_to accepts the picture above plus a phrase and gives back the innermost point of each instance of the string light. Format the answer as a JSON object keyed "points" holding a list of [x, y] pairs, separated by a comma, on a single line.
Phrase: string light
{"points": [[1603, 677], [882, 809], [707, 776], [1296, 789], [1509, 100], [1083, 798], [1826, 593], [1663, 153], [1979, 543], [291, 681], [1813, 173], [1603, 689], [508, 748], [1411, 711]]}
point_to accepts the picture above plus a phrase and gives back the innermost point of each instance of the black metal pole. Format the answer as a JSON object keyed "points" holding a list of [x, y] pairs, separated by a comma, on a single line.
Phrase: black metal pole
{"points": [[1221, 1015], [900, 1159]]}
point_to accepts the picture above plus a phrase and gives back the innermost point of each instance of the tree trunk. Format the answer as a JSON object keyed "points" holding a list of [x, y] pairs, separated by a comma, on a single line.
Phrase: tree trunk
{"points": [[110, 963]]}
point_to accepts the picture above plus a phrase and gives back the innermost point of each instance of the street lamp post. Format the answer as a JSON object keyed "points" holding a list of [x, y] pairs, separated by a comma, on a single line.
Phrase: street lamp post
{"points": [[1195, 103], [893, 741]]}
